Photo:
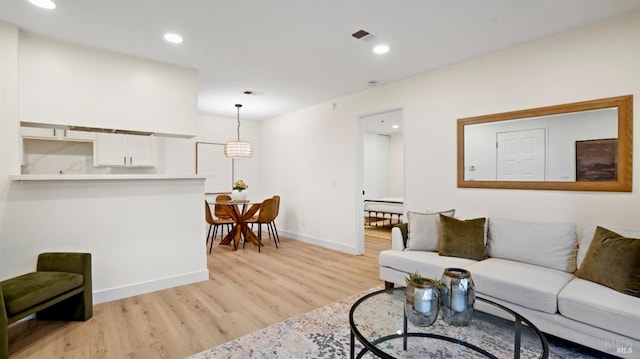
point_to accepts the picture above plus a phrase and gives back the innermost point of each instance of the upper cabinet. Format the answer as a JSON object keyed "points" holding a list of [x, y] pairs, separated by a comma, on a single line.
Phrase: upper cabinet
{"points": [[56, 134], [117, 150]]}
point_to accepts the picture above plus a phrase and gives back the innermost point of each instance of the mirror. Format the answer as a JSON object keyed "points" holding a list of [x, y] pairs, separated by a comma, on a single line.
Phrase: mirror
{"points": [[582, 146]]}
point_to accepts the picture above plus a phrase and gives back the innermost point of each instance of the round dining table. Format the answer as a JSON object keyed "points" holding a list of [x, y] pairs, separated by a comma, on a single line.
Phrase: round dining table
{"points": [[240, 212]]}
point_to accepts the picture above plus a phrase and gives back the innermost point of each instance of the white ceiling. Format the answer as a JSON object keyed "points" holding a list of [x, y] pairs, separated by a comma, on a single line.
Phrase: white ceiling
{"points": [[300, 52]]}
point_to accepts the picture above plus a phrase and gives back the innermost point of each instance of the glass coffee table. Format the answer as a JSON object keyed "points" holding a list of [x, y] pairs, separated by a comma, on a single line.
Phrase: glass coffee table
{"points": [[378, 322]]}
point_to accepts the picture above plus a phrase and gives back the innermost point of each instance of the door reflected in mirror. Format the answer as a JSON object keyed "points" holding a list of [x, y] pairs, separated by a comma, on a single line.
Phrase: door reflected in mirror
{"points": [[578, 146]]}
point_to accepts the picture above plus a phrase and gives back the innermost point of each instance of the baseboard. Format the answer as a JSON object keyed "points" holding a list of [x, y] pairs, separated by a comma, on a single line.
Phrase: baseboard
{"points": [[111, 294], [319, 242]]}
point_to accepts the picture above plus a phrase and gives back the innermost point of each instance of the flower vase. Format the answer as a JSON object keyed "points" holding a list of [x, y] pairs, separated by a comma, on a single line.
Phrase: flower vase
{"points": [[237, 195], [458, 297]]}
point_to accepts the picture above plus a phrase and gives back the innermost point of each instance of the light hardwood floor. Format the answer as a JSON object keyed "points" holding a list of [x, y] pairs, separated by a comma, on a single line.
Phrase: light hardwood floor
{"points": [[247, 291]]}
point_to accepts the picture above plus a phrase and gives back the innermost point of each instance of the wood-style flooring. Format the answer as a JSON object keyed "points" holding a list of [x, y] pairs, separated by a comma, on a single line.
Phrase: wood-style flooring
{"points": [[247, 291]]}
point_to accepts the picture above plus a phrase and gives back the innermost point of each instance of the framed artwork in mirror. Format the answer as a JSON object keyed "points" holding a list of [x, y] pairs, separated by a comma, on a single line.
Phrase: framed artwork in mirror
{"points": [[597, 160]]}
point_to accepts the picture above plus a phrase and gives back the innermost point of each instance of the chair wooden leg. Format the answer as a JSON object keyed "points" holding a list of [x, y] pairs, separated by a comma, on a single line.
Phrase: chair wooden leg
{"points": [[388, 285]]}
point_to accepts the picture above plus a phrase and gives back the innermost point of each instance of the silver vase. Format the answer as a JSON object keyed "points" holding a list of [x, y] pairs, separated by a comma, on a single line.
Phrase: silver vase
{"points": [[422, 302], [458, 296]]}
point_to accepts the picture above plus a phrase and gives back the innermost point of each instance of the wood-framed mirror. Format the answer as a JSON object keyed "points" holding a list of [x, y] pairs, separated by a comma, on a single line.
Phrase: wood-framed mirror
{"points": [[581, 146]]}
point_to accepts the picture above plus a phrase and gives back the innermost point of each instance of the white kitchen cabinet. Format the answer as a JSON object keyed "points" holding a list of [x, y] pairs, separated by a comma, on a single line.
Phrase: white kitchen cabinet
{"points": [[56, 134], [118, 150]]}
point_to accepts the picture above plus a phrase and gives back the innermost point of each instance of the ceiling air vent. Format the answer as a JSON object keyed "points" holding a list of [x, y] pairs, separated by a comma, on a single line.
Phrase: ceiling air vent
{"points": [[360, 34], [363, 35]]}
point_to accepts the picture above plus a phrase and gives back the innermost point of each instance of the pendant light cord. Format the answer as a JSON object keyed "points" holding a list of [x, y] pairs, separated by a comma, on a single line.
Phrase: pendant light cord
{"points": [[238, 106]]}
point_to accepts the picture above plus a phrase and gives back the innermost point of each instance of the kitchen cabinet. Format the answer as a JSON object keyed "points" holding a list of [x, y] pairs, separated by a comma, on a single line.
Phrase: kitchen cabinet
{"points": [[45, 133], [120, 150]]}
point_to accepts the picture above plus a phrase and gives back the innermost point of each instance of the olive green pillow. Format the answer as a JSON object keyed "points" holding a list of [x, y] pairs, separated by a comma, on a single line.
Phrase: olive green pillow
{"points": [[462, 238], [613, 261]]}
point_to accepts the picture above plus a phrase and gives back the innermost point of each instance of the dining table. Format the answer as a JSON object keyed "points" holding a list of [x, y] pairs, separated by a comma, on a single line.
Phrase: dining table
{"points": [[240, 212]]}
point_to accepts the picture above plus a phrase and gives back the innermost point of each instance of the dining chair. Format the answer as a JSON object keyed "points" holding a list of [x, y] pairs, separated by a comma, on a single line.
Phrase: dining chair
{"points": [[276, 199], [214, 223], [218, 210], [266, 216]]}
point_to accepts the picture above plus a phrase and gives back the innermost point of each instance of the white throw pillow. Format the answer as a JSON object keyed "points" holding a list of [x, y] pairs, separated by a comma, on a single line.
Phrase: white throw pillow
{"points": [[588, 232], [424, 230], [551, 245]]}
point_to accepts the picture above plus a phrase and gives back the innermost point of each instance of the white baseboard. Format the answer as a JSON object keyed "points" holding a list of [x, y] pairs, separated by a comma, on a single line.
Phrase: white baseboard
{"points": [[320, 242], [107, 295]]}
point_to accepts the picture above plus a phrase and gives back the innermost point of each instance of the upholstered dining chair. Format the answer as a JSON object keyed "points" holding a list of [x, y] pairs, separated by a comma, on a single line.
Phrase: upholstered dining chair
{"points": [[276, 199], [218, 211], [266, 216], [214, 224]]}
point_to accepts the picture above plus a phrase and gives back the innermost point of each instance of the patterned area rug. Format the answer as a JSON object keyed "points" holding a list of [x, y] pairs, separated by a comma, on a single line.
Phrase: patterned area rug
{"points": [[324, 333]]}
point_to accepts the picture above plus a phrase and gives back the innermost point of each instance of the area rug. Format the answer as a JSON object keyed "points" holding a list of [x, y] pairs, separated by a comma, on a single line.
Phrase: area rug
{"points": [[324, 333]]}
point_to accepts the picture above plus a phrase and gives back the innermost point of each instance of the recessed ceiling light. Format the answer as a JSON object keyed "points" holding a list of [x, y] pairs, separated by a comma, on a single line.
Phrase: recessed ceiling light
{"points": [[173, 38], [381, 49], [45, 4], [395, 127]]}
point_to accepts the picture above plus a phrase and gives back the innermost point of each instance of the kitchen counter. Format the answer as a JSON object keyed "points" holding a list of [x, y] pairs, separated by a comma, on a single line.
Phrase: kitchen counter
{"points": [[89, 177]]}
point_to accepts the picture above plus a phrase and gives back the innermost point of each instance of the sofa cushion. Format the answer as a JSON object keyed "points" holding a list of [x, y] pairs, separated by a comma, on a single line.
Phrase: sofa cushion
{"points": [[527, 285], [428, 264], [462, 238], [597, 305], [613, 261], [551, 245], [424, 230], [587, 236], [27, 290]]}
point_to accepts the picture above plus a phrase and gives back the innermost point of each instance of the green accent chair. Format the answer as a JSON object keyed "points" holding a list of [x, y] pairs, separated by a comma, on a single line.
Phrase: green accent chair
{"points": [[60, 289]]}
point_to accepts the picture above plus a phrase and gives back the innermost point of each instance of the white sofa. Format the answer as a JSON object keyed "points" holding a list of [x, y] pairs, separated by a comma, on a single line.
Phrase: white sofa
{"points": [[530, 269]]}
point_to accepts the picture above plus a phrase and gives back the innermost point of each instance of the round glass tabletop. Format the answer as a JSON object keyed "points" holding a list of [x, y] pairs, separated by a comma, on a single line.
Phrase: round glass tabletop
{"points": [[378, 322]]}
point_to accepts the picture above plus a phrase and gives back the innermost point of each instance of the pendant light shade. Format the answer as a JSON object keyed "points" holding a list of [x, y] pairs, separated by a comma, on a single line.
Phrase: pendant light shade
{"points": [[238, 149]]}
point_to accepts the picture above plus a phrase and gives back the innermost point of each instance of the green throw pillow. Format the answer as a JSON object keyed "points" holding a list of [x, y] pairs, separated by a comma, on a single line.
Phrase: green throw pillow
{"points": [[404, 229], [613, 261], [462, 238]]}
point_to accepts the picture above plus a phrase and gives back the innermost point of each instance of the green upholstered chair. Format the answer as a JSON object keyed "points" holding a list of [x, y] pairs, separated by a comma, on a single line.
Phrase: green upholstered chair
{"points": [[60, 289]]}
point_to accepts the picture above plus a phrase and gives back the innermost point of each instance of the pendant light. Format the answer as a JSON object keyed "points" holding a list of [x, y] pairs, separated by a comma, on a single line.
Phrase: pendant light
{"points": [[238, 149]]}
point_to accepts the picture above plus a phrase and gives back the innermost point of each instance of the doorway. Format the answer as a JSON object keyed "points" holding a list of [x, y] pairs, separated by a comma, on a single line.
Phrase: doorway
{"points": [[380, 170]]}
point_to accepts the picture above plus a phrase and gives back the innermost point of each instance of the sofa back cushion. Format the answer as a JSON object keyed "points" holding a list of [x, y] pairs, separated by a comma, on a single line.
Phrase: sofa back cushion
{"points": [[551, 245], [587, 236], [424, 230]]}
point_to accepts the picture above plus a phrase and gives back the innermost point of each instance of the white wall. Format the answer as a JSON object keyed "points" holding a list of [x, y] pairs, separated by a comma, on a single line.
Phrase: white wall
{"points": [[376, 165], [311, 165], [396, 165], [68, 84], [143, 234], [317, 173]]}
